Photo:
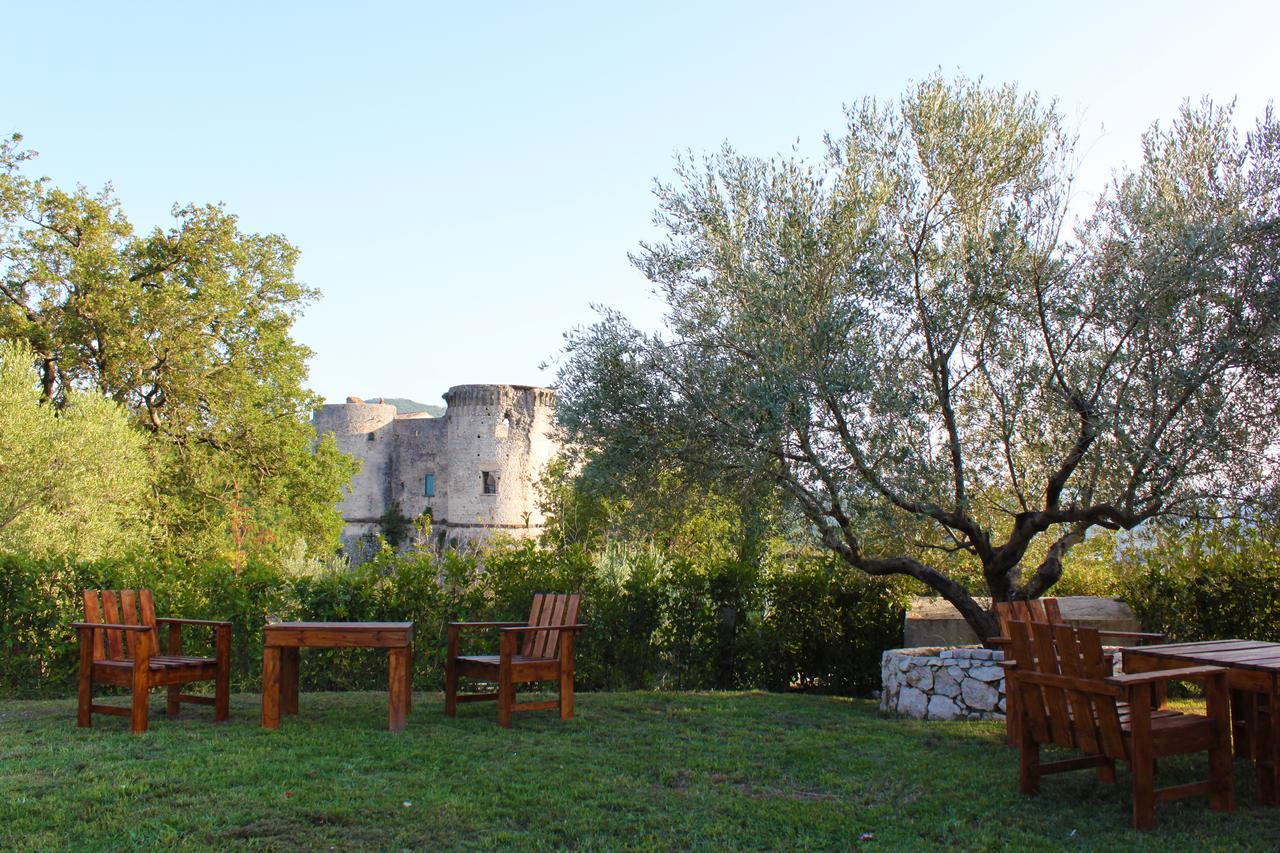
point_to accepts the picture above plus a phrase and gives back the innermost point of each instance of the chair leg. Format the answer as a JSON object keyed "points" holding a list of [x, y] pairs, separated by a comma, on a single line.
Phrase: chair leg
{"points": [[1107, 772], [222, 684], [84, 709], [566, 675], [506, 683], [451, 675], [1221, 789], [141, 689], [1028, 763], [173, 705]]}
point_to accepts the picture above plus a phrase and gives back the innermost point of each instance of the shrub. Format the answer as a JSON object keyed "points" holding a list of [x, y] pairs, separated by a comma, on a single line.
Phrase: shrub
{"points": [[1206, 583], [654, 621]]}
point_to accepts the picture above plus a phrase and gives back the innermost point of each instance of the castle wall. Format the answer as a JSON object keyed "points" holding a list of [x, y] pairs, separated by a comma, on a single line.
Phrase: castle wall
{"points": [[506, 431], [503, 431], [364, 430]]}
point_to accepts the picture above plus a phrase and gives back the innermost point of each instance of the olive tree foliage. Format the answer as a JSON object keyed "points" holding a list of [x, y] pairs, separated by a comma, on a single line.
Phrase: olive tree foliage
{"points": [[911, 341], [189, 328], [74, 482]]}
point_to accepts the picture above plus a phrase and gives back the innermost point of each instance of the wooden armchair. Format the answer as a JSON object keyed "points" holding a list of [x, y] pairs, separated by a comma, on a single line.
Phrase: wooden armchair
{"points": [[545, 654], [1068, 699], [118, 645], [1041, 610]]}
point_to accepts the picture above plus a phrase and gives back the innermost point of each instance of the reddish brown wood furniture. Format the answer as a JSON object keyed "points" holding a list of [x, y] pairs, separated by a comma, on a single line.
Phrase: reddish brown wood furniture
{"points": [[1041, 610], [282, 640], [1253, 675], [118, 646], [1067, 699], [545, 655]]}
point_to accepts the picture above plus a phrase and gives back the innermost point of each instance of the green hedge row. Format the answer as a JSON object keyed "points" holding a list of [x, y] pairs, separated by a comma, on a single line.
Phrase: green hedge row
{"points": [[799, 620], [1206, 583]]}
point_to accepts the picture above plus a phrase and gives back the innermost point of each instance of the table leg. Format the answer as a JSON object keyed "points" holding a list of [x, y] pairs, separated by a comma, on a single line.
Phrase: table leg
{"points": [[271, 687], [1267, 749], [289, 681], [398, 703], [408, 680]]}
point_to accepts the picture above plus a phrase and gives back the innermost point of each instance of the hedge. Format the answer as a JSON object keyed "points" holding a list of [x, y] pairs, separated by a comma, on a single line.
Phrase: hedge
{"points": [[799, 620]]}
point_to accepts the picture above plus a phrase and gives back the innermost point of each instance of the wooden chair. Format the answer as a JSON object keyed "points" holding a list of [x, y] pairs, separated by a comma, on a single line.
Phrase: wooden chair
{"points": [[545, 654], [1041, 610], [118, 646], [1067, 699]]}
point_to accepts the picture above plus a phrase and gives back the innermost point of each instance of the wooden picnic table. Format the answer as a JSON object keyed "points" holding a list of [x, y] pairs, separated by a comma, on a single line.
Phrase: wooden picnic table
{"points": [[1253, 676], [282, 640]]}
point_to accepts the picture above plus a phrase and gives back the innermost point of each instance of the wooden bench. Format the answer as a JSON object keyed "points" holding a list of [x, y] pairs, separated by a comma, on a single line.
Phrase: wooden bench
{"points": [[545, 654], [118, 645]]}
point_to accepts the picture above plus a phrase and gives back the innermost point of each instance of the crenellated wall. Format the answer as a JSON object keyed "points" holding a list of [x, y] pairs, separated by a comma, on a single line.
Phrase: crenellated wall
{"points": [[506, 431]]}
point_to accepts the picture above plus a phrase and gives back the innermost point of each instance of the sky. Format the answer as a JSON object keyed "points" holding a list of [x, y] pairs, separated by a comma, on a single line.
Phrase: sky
{"points": [[465, 181]]}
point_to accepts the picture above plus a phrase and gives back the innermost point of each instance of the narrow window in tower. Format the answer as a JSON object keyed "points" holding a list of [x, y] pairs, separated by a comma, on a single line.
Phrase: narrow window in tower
{"points": [[429, 486], [489, 482], [370, 437]]}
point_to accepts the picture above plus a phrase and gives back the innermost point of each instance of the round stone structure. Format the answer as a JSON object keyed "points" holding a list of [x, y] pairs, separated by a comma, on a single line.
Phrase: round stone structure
{"points": [[934, 683]]}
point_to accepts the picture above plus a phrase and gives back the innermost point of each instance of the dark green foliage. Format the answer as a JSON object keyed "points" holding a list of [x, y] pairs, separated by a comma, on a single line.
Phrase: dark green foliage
{"points": [[653, 621], [1210, 583], [395, 525]]}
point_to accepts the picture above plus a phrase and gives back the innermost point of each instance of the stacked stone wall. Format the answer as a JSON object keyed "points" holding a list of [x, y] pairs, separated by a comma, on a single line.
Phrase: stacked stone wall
{"points": [[942, 684]]}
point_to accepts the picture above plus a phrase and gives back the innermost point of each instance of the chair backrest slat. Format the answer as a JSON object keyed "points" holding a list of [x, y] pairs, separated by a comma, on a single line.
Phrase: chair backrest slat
{"points": [[550, 610], [1031, 697], [129, 613], [1055, 700], [93, 613], [1052, 612], [111, 615], [1096, 667], [1083, 725]]}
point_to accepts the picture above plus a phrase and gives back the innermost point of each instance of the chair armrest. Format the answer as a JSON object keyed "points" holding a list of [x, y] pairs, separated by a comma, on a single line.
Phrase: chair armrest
{"points": [[487, 624], [110, 626], [998, 641], [216, 623], [524, 629], [1186, 673]]}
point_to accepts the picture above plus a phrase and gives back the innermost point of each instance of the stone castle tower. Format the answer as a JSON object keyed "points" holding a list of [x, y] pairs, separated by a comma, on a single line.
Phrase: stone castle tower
{"points": [[474, 468]]}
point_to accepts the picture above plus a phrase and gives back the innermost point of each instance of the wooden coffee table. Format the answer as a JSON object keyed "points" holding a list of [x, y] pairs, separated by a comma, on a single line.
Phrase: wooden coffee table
{"points": [[1253, 674], [282, 640]]}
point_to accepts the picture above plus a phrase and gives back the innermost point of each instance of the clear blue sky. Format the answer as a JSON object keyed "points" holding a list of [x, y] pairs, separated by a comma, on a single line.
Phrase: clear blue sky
{"points": [[464, 180]]}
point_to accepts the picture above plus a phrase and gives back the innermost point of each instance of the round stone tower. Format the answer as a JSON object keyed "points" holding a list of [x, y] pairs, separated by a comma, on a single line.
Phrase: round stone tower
{"points": [[498, 440], [364, 430]]}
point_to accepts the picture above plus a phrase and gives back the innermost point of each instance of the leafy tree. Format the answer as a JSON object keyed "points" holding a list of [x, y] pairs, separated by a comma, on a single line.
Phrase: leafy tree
{"points": [[73, 482], [188, 327], [906, 341]]}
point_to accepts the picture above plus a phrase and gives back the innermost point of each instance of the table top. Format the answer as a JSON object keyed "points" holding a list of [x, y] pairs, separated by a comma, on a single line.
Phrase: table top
{"points": [[1242, 654], [338, 626]]}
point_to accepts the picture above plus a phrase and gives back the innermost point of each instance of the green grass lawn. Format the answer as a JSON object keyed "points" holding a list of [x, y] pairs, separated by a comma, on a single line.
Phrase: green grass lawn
{"points": [[647, 770]]}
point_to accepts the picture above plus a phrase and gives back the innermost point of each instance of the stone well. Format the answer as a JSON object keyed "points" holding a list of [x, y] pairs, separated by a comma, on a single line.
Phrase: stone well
{"points": [[943, 684]]}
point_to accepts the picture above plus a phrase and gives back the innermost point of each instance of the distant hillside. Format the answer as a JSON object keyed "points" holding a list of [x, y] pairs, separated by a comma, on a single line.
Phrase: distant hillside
{"points": [[406, 407]]}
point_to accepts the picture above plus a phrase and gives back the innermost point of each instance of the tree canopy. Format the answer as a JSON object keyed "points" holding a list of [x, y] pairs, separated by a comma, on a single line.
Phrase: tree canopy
{"points": [[73, 482], [910, 339], [189, 328]]}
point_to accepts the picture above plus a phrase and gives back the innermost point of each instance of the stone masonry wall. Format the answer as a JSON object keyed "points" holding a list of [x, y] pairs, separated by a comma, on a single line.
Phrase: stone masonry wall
{"points": [[942, 684]]}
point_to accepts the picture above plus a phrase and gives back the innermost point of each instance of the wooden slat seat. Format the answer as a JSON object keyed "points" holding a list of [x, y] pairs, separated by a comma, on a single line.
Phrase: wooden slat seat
{"points": [[1068, 699], [545, 654], [119, 646]]}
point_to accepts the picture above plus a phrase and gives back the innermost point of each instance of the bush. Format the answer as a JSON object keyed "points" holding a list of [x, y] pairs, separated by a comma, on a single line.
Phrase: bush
{"points": [[1206, 583], [796, 620]]}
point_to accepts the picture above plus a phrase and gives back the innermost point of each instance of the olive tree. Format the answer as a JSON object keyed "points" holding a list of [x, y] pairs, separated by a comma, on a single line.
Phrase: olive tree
{"points": [[914, 342]]}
